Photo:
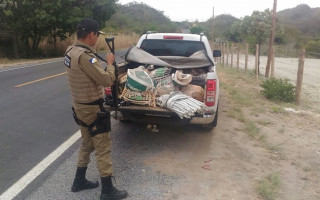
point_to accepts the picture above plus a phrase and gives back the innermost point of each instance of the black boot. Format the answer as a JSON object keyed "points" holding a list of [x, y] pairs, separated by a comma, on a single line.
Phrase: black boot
{"points": [[108, 192], [80, 182]]}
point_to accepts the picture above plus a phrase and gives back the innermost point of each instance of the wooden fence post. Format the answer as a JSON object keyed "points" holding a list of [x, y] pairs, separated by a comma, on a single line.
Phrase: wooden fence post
{"points": [[232, 47], [224, 51], [257, 60], [218, 59], [238, 56], [246, 59], [227, 61], [300, 76]]}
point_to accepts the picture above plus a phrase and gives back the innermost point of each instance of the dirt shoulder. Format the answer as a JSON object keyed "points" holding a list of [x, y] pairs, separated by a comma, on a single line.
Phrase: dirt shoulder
{"points": [[255, 139]]}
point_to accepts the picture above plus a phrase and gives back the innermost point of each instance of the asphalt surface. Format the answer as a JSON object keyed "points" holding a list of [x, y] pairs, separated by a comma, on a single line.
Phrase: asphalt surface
{"points": [[35, 118]]}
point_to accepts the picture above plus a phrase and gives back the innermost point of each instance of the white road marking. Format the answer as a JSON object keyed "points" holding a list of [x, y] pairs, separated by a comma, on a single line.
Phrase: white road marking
{"points": [[23, 182], [27, 66]]}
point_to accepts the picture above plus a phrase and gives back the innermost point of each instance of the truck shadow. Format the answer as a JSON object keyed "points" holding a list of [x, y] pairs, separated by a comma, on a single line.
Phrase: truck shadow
{"points": [[137, 140]]}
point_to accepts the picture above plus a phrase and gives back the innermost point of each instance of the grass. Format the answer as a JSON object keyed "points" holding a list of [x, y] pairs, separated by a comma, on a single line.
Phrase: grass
{"points": [[276, 109], [236, 113], [244, 92], [268, 187], [257, 109], [241, 97], [251, 129], [6, 61], [264, 123]]}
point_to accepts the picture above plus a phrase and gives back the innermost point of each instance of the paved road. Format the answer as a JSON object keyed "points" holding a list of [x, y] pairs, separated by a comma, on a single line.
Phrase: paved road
{"points": [[35, 118]]}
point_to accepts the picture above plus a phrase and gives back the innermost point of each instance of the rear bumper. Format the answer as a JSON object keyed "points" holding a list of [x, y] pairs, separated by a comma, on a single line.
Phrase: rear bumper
{"points": [[205, 119], [158, 115]]}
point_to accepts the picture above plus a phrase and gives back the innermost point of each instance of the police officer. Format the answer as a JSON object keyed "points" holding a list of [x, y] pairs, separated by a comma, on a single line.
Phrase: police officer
{"points": [[86, 81]]}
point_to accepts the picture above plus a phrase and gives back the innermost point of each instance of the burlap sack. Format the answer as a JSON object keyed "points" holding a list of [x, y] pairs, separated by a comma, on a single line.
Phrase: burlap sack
{"points": [[147, 98], [194, 91]]}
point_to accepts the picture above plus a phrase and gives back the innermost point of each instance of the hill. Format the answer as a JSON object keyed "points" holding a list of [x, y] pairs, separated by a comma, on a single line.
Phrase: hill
{"points": [[139, 18], [304, 18], [221, 24]]}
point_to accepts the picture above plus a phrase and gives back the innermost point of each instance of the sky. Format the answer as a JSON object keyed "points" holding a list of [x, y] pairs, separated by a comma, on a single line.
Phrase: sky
{"points": [[202, 10]]}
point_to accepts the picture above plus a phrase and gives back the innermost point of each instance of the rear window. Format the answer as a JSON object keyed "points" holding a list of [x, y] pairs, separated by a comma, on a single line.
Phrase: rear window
{"points": [[171, 47]]}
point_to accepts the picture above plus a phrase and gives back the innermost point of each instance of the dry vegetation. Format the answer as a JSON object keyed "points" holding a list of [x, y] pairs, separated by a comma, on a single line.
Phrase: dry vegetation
{"points": [[289, 138], [122, 41]]}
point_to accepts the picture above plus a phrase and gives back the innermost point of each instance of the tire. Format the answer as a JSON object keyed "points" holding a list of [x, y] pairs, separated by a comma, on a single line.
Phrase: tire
{"points": [[124, 119]]}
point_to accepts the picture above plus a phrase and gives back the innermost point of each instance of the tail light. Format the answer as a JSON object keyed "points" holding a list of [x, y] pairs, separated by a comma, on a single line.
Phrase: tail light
{"points": [[107, 90], [211, 92]]}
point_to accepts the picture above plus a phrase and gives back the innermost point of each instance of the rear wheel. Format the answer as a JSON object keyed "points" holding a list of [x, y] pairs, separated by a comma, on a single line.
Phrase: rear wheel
{"points": [[123, 118]]}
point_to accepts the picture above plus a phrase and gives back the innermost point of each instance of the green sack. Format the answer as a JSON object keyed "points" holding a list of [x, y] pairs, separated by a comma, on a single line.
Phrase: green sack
{"points": [[139, 80]]}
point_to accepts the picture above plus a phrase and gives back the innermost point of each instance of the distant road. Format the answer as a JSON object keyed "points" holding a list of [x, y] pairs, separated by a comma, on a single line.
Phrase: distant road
{"points": [[35, 116]]}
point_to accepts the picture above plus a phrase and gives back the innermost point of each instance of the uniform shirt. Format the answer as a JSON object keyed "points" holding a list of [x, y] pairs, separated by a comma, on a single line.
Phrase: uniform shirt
{"points": [[86, 80], [91, 67]]}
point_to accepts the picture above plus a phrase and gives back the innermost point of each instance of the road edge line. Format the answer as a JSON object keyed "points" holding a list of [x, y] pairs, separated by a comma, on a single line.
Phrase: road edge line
{"points": [[24, 181], [28, 65]]}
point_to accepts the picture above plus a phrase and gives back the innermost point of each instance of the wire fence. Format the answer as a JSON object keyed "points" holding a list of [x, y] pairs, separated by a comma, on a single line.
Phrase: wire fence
{"points": [[237, 56]]}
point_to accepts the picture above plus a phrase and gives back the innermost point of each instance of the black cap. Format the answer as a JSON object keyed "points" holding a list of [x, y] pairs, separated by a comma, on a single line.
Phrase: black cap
{"points": [[88, 24]]}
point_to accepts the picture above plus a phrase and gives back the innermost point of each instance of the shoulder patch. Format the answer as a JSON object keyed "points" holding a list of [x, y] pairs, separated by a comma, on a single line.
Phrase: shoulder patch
{"points": [[93, 60], [67, 61]]}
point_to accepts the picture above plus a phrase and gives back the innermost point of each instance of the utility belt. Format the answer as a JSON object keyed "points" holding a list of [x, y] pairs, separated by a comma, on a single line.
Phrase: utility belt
{"points": [[101, 124]]}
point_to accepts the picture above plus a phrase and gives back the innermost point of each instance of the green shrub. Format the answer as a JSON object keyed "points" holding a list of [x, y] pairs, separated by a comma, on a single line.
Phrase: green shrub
{"points": [[313, 48], [278, 90]]}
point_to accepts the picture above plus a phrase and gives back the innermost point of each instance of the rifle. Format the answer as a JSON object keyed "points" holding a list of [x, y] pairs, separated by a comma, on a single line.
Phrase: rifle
{"points": [[114, 88]]}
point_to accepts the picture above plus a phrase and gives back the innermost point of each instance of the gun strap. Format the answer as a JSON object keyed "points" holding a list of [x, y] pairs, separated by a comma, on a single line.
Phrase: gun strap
{"points": [[79, 45]]}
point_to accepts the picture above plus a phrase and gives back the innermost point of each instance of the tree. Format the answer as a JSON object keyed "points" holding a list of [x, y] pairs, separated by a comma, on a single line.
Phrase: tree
{"points": [[66, 14], [221, 26], [272, 36], [234, 33], [196, 30], [254, 29], [32, 20], [313, 48], [257, 25]]}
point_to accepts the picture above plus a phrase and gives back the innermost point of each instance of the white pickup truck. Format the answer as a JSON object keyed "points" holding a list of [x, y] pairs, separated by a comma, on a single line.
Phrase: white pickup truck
{"points": [[189, 53]]}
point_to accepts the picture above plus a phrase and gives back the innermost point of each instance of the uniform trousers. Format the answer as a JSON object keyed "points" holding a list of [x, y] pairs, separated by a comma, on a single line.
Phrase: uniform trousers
{"points": [[100, 143]]}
